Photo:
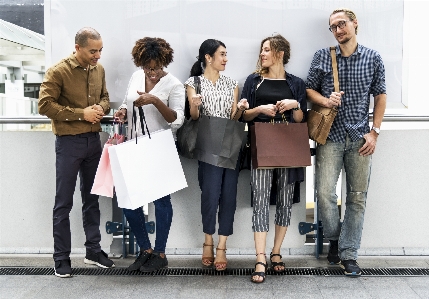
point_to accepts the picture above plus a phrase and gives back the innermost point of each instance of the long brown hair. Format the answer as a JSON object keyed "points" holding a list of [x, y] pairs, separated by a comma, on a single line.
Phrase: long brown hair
{"points": [[277, 44]]}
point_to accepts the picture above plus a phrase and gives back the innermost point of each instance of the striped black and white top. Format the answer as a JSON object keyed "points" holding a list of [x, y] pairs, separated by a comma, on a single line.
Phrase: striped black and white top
{"points": [[217, 98]]}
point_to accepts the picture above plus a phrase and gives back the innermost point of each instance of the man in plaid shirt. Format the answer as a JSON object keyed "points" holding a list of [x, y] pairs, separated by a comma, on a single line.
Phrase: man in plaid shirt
{"points": [[351, 142]]}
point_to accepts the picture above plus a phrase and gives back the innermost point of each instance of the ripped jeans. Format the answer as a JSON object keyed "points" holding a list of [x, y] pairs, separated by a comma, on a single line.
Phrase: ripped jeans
{"points": [[330, 159]]}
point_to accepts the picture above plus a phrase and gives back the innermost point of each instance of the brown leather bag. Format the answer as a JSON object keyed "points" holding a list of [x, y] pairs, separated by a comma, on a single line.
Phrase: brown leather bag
{"points": [[320, 119]]}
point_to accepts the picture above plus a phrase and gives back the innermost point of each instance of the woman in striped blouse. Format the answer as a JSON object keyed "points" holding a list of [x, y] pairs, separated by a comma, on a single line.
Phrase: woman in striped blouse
{"points": [[218, 97]]}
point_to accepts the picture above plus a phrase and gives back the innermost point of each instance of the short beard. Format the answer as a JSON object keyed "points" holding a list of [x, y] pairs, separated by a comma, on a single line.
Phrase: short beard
{"points": [[345, 41]]}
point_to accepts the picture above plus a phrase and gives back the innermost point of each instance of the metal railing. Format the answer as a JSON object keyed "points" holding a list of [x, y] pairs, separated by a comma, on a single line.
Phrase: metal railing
{"points": [[108, 119], [39, 119]]}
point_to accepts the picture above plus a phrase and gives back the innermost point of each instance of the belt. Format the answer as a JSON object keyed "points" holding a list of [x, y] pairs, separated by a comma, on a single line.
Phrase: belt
{"points": [[89, 134], [83, 135]]}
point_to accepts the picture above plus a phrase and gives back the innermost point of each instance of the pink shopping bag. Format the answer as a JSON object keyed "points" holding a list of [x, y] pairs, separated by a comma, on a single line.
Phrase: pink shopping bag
{"points": [[103, 181]]}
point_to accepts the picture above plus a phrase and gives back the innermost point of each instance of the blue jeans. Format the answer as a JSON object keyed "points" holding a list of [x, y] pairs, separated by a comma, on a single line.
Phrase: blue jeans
{"points": [[163, 218], [330, 159]]}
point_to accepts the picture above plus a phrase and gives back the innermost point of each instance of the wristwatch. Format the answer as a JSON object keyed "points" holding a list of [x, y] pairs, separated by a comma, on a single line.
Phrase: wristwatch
{"points": [[377, 130], [298, 107]]}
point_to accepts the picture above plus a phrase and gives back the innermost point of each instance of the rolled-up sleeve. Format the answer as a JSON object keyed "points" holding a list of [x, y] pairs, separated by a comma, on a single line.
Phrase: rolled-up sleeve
{"points": [[378, 84], [176, 102], [315, 76]]}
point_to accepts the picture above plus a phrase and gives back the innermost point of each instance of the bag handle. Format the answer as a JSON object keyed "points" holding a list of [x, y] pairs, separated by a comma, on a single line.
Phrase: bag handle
{"points": [[335, 69], [143, 122], [197, 85], [115, 133], [283, 121]]}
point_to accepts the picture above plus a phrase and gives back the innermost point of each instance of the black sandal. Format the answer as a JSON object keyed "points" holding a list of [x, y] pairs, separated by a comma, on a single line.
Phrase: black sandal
{"points": [[260, 274], [276, 264]]}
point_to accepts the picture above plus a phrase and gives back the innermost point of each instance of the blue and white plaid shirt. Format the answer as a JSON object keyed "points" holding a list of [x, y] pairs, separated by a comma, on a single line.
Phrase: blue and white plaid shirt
{"points": [[360, 75]]}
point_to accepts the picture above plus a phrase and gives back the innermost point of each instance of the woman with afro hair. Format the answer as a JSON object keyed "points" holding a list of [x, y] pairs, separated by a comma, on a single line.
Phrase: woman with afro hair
{"points": [[163, 99]]}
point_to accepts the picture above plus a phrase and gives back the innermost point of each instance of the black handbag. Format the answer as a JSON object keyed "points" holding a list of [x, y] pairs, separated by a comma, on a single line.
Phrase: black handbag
{"points": [[219, 141], [187, 133]]}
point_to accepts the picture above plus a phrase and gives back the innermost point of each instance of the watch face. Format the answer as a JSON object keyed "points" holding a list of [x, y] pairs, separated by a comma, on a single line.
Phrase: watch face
{"points": [[377, 130]]}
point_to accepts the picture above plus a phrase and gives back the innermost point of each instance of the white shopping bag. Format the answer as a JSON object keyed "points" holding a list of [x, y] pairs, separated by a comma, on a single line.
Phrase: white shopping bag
{"points": [[146, 171]]}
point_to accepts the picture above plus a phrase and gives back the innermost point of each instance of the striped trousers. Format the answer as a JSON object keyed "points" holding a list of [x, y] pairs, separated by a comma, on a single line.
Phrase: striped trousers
{"points": [[261, 190]]}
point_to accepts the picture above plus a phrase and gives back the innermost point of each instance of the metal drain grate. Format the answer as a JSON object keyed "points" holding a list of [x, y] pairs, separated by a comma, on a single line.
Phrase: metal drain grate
{"points": [[213, 272]]}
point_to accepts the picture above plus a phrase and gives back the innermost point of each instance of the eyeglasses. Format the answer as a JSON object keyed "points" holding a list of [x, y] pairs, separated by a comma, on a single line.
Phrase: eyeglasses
{"points": [[149, 69], [341, 25]]}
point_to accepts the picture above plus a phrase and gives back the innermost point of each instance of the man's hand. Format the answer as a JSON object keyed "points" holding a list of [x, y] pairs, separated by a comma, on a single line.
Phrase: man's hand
{"points": [[93, 114], [98, 107], [370, 142], [144, 99], [334, 99]]}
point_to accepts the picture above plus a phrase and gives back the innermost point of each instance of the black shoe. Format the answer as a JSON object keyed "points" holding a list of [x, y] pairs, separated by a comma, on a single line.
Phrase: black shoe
{"points": [[155, 263], [98, 258], [351, 268], [63, 268], [140, 261], [333, 258]]}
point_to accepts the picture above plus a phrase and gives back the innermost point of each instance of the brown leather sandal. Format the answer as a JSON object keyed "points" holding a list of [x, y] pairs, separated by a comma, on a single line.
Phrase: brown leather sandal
{"points": [[207, 261], [220, 266]]}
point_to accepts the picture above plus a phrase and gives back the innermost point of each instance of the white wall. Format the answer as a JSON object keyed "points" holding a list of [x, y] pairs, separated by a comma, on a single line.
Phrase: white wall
{"points": [[240, 24], [398, 205], [27, 193], [396, 213]]}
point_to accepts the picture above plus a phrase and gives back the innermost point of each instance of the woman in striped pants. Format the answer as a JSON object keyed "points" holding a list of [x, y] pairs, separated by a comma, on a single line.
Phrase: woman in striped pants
{"points": [[272, 94]]}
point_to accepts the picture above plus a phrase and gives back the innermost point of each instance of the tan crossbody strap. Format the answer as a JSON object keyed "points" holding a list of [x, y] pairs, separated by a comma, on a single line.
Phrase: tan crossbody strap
{"points": [[335, 69]]}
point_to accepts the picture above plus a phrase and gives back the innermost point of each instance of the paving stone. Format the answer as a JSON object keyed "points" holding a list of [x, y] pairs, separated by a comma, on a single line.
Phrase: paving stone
{"points": [[20, 292], [206, 293], [340, 293]]}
